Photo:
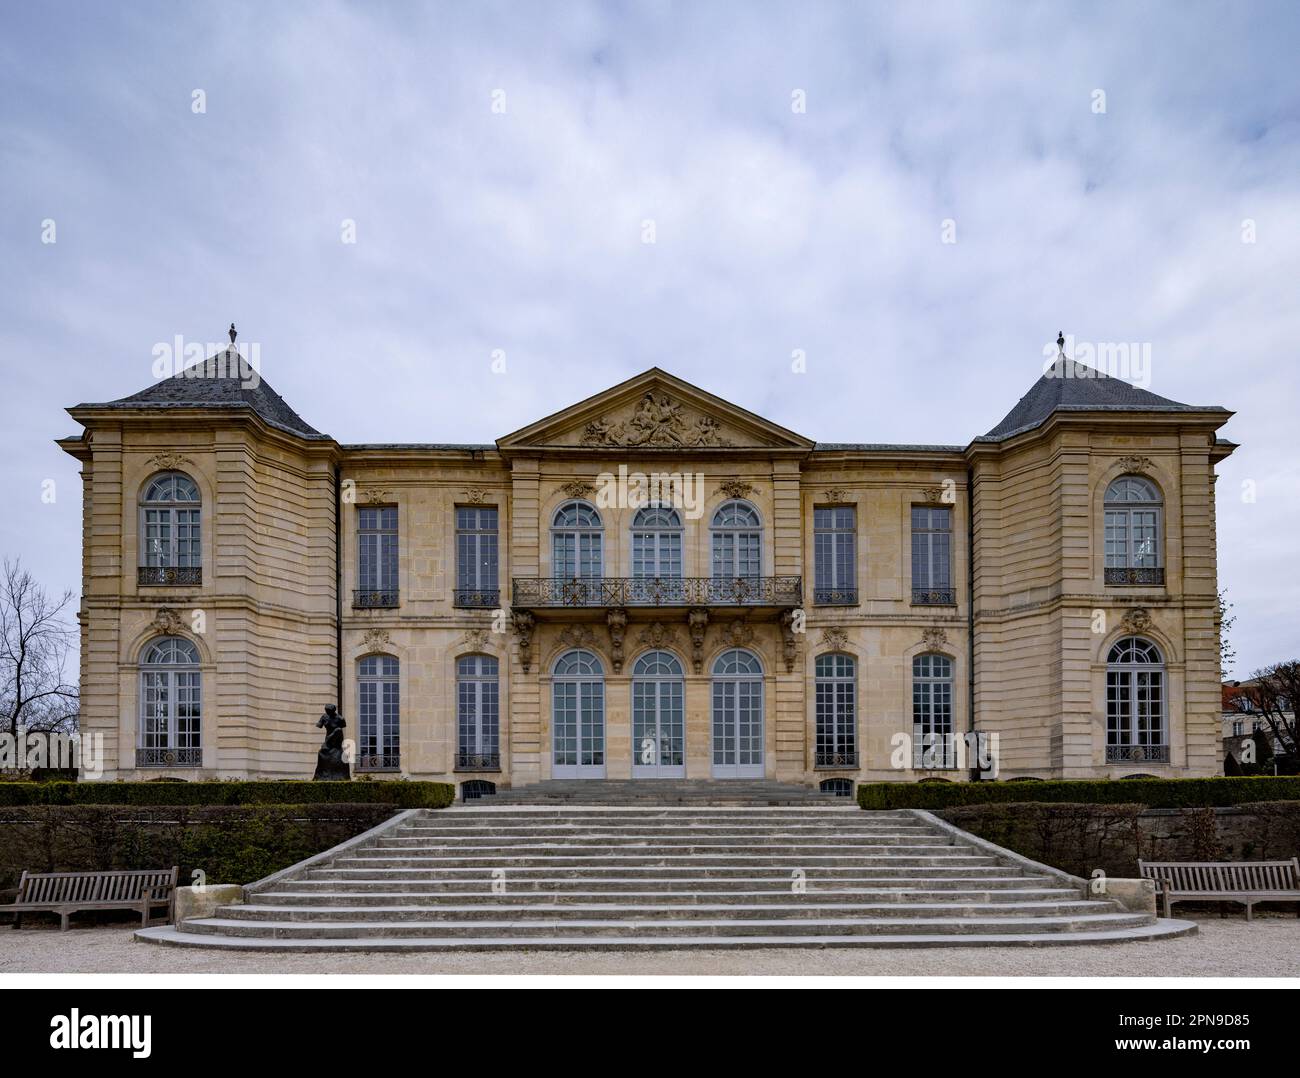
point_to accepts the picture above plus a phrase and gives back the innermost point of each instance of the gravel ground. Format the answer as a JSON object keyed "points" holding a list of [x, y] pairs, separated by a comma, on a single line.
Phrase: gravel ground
{"points": [[1224, 947]]}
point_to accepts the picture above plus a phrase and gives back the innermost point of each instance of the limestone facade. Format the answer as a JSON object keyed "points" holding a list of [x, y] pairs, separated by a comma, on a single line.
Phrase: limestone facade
{"points": [[283, 623]]}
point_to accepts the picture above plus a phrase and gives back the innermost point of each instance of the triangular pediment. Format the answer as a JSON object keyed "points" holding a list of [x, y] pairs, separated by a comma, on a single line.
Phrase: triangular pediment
{"points": [[654, 411]]}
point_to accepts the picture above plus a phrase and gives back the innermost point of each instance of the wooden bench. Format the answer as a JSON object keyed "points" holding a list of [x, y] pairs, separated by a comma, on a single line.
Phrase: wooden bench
{"points": [[66, 893], [1247, 882]]}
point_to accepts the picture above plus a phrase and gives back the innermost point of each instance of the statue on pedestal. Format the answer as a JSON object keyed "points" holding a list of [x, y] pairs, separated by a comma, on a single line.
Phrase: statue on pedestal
{"points": [[330, 765]]}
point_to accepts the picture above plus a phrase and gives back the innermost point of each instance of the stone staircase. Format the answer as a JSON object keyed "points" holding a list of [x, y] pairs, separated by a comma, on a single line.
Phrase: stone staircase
{"points": [[662, 792], [531, 877]]}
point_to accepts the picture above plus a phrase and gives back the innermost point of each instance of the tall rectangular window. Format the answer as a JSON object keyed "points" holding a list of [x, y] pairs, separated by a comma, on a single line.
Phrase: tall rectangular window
{"points": [[377, 557], [476, 558], [478, 715], [932, 555], [835, 543], [379, 714]]}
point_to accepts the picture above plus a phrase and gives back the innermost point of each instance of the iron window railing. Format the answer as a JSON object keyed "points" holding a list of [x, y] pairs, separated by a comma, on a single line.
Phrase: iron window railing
{"points": [[835, 596], [478, 761], [1137, 754], [1148, 575], [934, 597], [837, 759], [477, 598], [374, 598], [608, 591], [192, 757], [379, 761], [169, 574]]}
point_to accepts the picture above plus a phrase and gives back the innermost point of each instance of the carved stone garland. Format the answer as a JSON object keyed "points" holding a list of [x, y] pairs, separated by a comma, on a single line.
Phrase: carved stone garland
{"points": [[523, 624], [616, 623], [933, 639], [835, 639], [376, 640], [697, 620], [789, 640], [1137, 620], [735, 488], [578, 488]]}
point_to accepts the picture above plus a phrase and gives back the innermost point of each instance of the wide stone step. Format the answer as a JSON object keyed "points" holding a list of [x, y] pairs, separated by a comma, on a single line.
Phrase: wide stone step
{"points": [[614, 841], [172, 936], [647, 884], [772, 896], [669, 844], [663, 926], [591, 870], [791, 859], [538, 910]]}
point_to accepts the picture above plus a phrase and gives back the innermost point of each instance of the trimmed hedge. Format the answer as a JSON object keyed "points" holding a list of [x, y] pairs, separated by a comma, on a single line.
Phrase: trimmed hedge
{"points": [[1153, 793], [402, 795], [228, 843]]}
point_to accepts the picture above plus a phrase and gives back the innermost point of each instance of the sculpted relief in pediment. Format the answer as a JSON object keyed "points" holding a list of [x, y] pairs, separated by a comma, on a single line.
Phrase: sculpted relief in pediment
{"points": [[656, 422]]}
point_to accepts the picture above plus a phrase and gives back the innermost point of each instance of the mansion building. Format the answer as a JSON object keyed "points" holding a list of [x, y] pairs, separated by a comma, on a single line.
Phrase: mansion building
{"points": [[651, 583]]}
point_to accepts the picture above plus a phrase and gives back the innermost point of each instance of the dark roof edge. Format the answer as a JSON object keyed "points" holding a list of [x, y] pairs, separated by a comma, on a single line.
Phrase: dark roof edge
{"points": [[1172, 409], [203, 406]]}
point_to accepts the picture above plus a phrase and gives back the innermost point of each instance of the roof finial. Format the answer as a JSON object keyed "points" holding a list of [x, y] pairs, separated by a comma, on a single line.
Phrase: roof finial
{"points": [[233, 334], [1060, 343]]}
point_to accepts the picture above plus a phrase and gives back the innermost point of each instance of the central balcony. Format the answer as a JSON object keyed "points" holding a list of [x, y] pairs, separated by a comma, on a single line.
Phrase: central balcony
{"points": [[549, 593]]}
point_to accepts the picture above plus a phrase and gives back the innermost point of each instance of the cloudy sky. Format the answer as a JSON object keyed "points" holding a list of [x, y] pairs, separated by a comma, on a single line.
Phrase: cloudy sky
{"points": [[800, 165]]}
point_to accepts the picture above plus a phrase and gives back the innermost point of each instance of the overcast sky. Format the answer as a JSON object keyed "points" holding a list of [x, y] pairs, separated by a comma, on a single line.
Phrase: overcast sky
{"points": [[1096, 164]]}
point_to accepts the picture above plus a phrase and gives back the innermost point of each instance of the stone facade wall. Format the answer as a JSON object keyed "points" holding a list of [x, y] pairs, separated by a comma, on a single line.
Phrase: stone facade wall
{"points": [[266, 614]]}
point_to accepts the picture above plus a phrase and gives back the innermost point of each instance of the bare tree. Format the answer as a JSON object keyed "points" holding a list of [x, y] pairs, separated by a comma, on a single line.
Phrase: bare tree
{"points": [[1271, 698], [35, 641], [1225, 622]]}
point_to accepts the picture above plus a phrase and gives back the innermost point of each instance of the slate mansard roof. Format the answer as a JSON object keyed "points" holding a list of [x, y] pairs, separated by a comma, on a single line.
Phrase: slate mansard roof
{"points": [[204, 385], [1067, 386]]}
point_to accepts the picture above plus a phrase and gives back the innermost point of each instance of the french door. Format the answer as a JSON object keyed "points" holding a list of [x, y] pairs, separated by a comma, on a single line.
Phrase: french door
{"points": [[737, 719], [578, 717], [658, 718]]}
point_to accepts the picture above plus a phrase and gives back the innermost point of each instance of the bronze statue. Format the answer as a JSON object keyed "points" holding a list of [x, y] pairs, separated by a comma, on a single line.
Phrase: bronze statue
{"points": [[330, 765]]}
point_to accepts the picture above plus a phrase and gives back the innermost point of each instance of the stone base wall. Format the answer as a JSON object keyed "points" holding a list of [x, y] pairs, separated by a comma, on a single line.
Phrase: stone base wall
{"points": [[1083, 838]]}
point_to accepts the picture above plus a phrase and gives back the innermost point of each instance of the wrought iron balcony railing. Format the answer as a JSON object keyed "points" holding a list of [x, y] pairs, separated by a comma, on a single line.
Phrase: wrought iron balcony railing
{"points": [[1137, 754], [609, 591], [835, 596], [1124, 575], [378, 761], [147, 575], [169, 757], [374, 598], [945, 596], [478, 761], [836, 759], [477, 598]]}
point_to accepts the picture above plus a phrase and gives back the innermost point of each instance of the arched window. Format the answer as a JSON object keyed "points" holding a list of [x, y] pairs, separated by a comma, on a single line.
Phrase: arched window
{"points": [[838, 787], [737, 720], [1135, 703], [169, 531], [658, 717], [737, 552], [577, 542], [171, 705], [656, 543], [478, 714], [934, 745], [578, 716], [1134, 541], [836, 707], [378, 714]]}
